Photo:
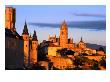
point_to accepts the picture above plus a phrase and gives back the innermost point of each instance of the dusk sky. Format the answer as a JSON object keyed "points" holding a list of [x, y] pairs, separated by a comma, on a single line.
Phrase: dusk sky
{"points": [[87, 21]]}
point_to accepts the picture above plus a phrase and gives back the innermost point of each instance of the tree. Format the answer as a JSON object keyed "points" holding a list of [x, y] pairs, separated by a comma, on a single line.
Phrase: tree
{"points": [[101, 49], [70, 52], [95, 65], [81, 60], [64, 52], [103, 62]]}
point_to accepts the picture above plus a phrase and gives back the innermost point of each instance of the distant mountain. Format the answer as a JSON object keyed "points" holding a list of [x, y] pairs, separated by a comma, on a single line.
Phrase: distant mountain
{"points": [[95, 46]]}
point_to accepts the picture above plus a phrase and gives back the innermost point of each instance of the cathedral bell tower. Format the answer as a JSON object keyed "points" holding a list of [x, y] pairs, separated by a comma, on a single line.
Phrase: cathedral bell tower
{"points": [[25, 36], [33, 56], [63, 35]]}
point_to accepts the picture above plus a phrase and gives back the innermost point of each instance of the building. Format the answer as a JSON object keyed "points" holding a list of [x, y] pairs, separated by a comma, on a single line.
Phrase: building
{"points": [[22, 50], [10, 18], [14, 54], [30, 46], [81, 44], [63, 40], [52, 50]]}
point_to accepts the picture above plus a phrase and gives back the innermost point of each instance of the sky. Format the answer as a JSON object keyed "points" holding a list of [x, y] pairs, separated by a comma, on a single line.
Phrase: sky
{"points": [[87, 21]]}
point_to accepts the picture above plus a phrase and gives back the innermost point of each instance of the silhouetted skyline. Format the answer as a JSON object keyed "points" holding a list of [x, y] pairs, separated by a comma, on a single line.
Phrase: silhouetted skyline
{"points": [[40, 15]]}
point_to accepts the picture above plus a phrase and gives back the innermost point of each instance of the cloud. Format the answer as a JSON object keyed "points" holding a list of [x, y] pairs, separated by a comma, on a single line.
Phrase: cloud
{"points": [[89, 15], [95, 25], [52, 25]]}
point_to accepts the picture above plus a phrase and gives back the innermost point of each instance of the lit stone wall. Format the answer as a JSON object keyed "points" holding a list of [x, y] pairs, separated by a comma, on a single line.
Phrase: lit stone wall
{"points": [[10, 17], [52, 51], [26, 48], [33, 55]]}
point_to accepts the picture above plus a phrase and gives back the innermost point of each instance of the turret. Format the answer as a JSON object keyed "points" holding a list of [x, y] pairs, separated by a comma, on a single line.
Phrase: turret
{"points": [[71, 40], [81, 40], [33, 56], [25, 30], [25, 36]]}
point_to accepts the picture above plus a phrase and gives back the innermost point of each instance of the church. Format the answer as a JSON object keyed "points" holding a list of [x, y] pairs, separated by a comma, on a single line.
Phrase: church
{"points": [[63, 40]]}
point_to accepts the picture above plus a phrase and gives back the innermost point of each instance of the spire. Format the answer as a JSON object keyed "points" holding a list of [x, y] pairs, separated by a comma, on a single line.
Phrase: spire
{"points": [[49, 35], [34, 36], [81, 40], [55, 35], [30, 36], [72, 39], [64, 22], [25, 22], [25, 30], [64, 25]]}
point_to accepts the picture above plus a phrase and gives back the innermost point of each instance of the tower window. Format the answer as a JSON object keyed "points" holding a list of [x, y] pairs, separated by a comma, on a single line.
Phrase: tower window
{"points": [[26, 45]]}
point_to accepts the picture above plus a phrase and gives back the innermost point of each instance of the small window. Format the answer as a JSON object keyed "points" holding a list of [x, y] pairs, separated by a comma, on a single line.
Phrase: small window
{"points": [[26, 45]]}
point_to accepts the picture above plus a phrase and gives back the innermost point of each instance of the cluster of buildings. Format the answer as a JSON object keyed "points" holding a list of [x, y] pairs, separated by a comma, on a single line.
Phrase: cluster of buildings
{"points": [[22, 50]]}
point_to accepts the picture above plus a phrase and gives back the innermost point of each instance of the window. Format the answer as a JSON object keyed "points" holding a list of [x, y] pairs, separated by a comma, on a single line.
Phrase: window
{"points": [[26, 45]]}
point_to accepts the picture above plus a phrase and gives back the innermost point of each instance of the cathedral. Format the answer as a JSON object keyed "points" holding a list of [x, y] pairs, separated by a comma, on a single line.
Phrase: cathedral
{"points": [[19, 50], [63, 40]]}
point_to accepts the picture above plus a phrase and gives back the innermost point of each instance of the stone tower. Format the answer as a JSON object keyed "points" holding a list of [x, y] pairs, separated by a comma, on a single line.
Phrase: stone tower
{"points": [[10, 18], [33, 56], [64, 35], [25, 36]]}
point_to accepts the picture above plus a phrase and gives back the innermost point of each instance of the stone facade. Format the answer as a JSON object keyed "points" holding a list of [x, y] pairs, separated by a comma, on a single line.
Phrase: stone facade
{"points": [[52, 51], [14, 54], [61, 63], [10, 18]]}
